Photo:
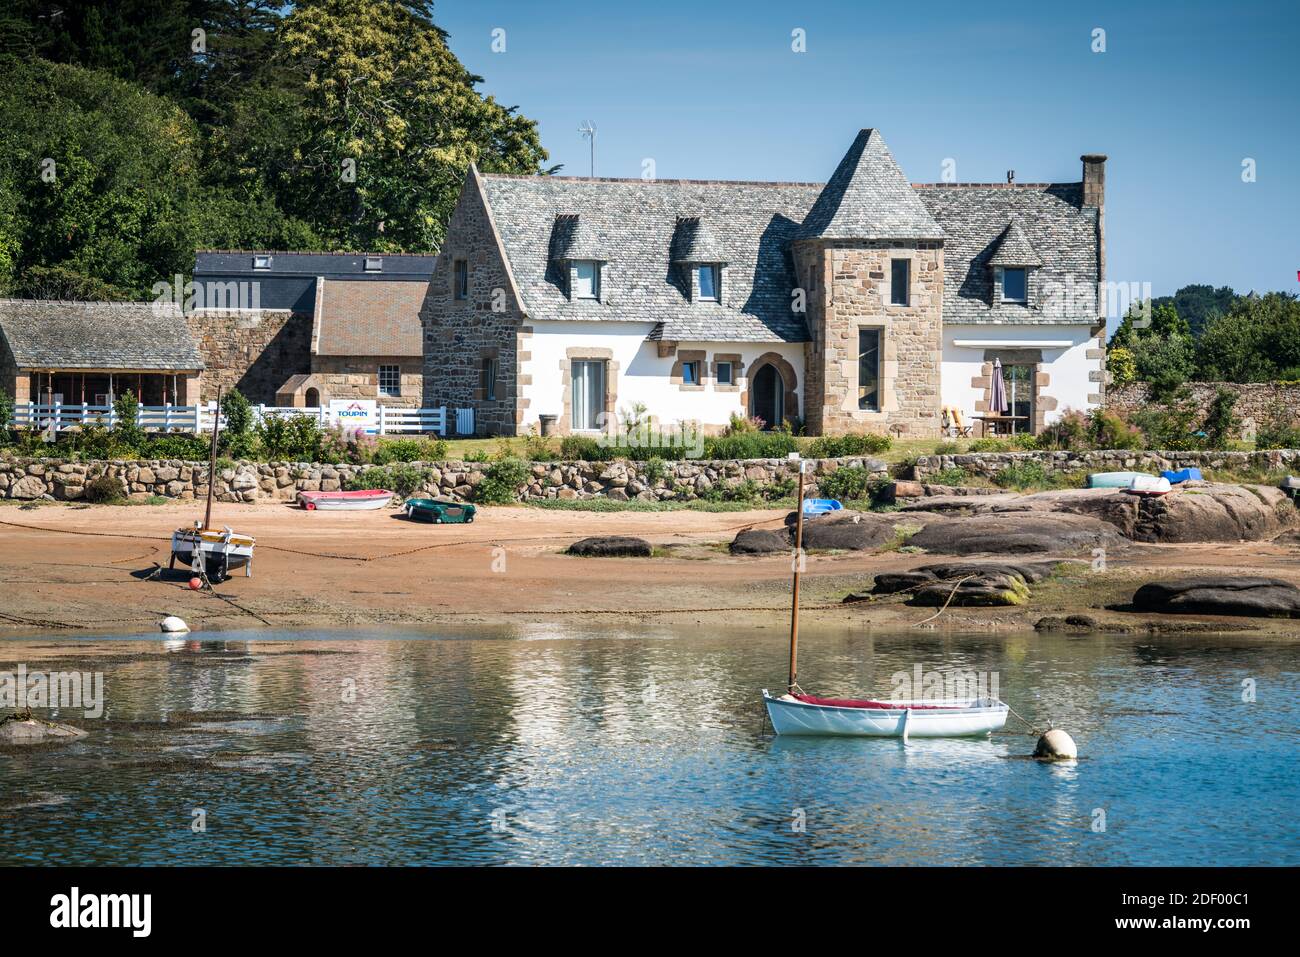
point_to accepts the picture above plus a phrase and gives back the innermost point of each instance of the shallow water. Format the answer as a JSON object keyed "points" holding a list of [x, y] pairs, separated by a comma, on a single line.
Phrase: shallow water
{"points": [[593, 745]]}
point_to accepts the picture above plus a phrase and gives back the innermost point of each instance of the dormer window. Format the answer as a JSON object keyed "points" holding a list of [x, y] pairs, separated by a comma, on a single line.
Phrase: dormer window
{"points": [[261, 262], [1015, 286], [586, 279], [709, 278]]}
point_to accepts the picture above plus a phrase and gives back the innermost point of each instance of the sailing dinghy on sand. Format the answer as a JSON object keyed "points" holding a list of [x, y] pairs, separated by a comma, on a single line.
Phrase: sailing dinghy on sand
{"points": [[797, 713], [214, 552]]}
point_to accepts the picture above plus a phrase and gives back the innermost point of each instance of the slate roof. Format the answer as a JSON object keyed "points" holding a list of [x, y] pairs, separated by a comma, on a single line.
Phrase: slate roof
{"points": [[1056, 225], [367, 317], [868, 197], [694, 242], [646, 230], [1014, 248], [48, 334], [576, 237], [635, 221]]}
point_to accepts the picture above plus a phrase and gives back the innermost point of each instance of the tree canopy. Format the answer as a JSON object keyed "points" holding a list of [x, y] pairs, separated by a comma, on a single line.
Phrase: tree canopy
{"points": [[176, 124]]}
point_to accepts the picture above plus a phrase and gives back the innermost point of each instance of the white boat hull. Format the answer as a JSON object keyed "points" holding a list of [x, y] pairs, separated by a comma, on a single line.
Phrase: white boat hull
{"points": [[958, 719], [222, 551], [324, 502]]}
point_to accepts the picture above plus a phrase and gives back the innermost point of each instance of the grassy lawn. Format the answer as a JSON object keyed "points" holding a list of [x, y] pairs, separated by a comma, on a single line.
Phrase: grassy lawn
{"points": [[495, 448]]}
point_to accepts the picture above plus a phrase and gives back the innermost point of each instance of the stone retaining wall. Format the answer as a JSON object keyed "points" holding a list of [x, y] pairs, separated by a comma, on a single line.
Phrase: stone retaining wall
{"points": [[1256, 401], [62, 480], [989, 464]]}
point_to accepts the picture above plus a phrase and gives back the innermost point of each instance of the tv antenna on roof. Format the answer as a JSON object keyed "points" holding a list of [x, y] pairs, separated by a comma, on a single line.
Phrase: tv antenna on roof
{"points": [[588, 130]]}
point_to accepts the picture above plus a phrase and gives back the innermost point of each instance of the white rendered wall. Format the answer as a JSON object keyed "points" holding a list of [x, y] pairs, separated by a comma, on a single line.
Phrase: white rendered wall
{"points": [[642, 375], [1067, 364]]}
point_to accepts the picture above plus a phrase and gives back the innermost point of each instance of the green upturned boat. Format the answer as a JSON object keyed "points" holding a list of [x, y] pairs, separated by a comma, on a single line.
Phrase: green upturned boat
{"points": [[439, 511]]}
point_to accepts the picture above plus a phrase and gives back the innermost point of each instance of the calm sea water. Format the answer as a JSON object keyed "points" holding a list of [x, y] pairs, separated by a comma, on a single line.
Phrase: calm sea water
{"points": [[568, 745]]}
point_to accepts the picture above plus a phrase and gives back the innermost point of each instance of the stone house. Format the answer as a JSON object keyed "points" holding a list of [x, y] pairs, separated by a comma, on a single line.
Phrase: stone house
{"points": [[90, 352], [302, 328], [866, 303]]}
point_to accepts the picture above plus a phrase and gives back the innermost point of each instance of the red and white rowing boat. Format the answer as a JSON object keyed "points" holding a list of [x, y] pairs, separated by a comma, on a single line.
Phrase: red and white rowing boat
{"points": [[345, 501]]}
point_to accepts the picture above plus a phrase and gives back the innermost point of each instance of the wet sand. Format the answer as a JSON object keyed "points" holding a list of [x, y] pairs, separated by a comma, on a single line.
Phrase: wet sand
{"points": [[67, 568]]}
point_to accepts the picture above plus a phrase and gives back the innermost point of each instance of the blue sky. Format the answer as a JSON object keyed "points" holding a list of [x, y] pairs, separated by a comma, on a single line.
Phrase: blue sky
{"points": [[1182, 95]]}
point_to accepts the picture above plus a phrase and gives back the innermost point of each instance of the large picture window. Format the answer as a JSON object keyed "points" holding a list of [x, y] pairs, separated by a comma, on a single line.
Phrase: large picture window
{"points": [[869, 370]]}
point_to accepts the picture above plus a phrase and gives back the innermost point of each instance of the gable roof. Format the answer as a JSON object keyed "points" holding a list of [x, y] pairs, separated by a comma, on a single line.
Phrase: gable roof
{"points": [[1056, 226], [49, 334], [868, 197], [635, 222], [368, 317], [1014, 248]]}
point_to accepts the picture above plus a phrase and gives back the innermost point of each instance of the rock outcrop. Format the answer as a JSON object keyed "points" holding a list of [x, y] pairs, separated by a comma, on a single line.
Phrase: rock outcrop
{"points": [[965, 584], [611, 546], [1221, 595], [759, 541], [1017, 533]]}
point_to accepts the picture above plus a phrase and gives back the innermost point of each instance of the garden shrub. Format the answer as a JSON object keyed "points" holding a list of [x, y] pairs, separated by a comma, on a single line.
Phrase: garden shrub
{"points": [[846, 484], [179, 445], [954, 475], [402, 479], [1221, 424], [751, 445], [1022, 475], [127, 434], [422, 449], [104, 491], [237, 438], [584, 448], [1279, 430], [1068, 433], [299, 438], [1109, 430], [501, 482], [840, 446]]}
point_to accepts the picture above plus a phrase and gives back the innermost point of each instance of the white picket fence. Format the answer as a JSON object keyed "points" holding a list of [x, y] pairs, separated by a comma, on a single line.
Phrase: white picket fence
{"points": [[199, 418]]}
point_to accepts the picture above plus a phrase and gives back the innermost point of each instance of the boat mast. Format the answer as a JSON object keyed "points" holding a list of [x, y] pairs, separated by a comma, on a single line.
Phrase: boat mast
{"points": [[794, 603], [212, 461]]}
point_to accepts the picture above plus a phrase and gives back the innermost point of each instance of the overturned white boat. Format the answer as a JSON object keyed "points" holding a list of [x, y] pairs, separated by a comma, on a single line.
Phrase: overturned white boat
{"points": [[802, 714]]}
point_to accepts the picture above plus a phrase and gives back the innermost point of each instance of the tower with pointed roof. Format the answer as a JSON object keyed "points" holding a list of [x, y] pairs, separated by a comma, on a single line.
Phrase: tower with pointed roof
{"points": [[870, 259]]}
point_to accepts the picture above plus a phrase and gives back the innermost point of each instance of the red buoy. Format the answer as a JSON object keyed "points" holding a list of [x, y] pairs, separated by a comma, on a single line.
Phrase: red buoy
{"points": [[195, 584]]}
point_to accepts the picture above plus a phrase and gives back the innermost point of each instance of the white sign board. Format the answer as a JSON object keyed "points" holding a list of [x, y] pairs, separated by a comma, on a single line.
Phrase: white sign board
{"points": [[355, 413]]}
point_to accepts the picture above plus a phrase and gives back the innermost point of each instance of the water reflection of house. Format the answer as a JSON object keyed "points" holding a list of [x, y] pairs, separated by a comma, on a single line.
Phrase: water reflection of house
{"points": [[89, 352]]}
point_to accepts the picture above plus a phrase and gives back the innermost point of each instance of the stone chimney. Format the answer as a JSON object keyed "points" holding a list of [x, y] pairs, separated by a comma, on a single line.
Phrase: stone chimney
{"points": [[1094, 179]]}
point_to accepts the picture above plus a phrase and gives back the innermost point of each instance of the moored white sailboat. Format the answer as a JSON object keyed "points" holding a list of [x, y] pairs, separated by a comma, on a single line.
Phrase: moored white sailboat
{"points": [[797, 713], [214, 552]]}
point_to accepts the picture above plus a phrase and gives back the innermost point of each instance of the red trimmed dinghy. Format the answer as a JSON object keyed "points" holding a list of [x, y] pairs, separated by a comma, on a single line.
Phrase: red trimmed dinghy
{"points": [[796, 713], [345, 501], [805, 714]]}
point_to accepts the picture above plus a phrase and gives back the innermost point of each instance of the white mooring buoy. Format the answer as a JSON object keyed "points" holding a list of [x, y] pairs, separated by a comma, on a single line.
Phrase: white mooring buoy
{"points": [[173, 624], [1056, 745]]}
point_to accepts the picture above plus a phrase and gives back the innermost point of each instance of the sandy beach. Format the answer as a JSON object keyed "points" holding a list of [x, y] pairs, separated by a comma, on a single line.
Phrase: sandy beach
{"points": [[79, 568]]}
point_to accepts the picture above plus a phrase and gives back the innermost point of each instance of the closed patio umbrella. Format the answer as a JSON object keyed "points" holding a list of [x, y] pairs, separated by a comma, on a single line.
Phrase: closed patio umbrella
{"points": [[998, 399]]}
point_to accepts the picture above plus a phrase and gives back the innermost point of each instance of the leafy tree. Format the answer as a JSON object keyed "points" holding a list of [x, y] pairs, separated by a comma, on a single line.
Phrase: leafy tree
{"points": [[1122, 365], [1257, 340], [1198, 304], [60, 282], [376, 85]]}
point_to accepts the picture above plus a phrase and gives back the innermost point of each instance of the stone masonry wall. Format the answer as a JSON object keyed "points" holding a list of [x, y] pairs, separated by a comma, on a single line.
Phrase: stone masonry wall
{"points": [[357, 377], [853, 292], [253, 351], [989, 464], [1255, 400], [459, 334], [60, 480]]}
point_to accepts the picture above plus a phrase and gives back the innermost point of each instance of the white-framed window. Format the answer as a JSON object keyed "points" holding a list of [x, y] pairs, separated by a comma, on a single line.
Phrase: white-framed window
{"points": [[690, 373], [586, 279], [261, 262], [460, 279], [390, 380], [710, 282], [726, 374], [374, 264], [1015, 285], [900, 274], [489, 376]]}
